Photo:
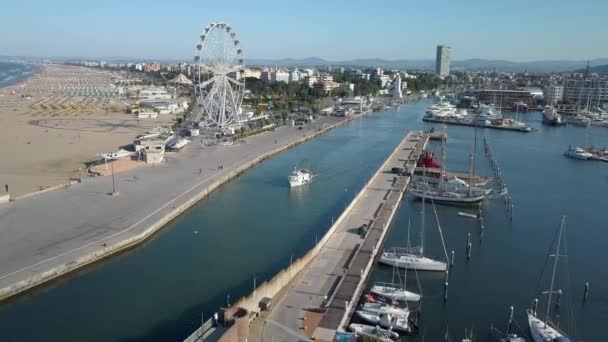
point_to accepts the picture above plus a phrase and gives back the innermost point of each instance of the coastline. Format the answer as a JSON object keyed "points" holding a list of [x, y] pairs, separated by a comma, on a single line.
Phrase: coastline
{"points": [[36, 70], [193, 194]]}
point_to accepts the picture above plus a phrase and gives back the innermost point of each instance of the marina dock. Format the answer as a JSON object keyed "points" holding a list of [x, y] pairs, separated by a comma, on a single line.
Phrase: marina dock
{"points": [[480, 124], [317, 295]]}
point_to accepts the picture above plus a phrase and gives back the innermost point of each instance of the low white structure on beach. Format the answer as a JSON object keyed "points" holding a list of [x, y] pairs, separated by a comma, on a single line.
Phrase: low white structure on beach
{"points": [[154, 151]]}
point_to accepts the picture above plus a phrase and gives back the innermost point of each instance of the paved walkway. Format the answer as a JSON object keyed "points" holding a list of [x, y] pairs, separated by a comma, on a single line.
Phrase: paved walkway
{"points": [[56, 228], [330, 270]]}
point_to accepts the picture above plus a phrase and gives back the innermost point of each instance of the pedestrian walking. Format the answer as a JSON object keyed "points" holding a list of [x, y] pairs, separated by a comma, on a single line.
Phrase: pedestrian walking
{"points": [[6, 187]]}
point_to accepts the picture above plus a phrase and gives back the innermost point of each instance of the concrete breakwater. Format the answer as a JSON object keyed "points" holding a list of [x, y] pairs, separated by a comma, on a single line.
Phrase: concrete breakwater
{"points": [[192, 195]]}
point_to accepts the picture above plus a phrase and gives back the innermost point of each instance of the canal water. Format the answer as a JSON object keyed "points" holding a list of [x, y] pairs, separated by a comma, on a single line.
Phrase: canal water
{"points": [[250, 228], [247, 229], [510, 266]]}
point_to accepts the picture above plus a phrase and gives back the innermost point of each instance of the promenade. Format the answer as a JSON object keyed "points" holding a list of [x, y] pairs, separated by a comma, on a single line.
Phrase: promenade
{"points": [[320, 300], [53, 233]]}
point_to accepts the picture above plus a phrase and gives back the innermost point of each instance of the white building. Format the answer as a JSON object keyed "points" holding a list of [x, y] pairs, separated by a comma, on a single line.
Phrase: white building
{"points": [[295, 75], [592, 91], [442, 61], [251, 73], [280, 76], [397, 88], [384, 80], [154, 93], [553, 94], [154, 151], [347, 86]]}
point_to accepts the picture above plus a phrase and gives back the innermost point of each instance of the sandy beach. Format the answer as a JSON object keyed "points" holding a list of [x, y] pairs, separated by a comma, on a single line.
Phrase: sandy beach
{"points": [[55, 121]]}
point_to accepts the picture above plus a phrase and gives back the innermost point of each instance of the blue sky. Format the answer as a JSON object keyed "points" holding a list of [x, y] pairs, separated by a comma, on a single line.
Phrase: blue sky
{"points": [[332, 29]]}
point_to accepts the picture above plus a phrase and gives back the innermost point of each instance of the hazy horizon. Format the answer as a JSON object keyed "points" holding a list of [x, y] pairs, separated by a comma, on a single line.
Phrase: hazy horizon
{"points": [[516, 31]]}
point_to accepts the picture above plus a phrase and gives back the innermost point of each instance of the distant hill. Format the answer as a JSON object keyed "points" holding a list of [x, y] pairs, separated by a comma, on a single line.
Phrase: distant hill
{"points": [[598, 69], [428, 64], [474, 64]]}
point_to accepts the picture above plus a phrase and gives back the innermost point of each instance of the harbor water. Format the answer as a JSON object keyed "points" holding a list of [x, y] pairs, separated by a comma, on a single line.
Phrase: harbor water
{"points": [[250, 228], [509, 264]]}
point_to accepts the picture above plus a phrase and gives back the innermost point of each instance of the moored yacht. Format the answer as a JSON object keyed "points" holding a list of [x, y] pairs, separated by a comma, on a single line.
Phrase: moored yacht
{"points": [[377, 333], [551, 117], [577, 153], [393, 293], [411, 261]]}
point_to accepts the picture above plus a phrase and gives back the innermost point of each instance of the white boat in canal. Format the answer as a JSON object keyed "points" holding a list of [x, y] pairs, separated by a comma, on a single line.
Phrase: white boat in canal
{"points": [[544, 330], [381, 315], [382, 308], [394, 293], [375, 332], [299, 177]]}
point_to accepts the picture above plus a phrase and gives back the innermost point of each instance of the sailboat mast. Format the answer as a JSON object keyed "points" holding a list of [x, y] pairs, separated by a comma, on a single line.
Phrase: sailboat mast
{"points": [[442, 166], [422, 228], [559, 240], [472, 162]]}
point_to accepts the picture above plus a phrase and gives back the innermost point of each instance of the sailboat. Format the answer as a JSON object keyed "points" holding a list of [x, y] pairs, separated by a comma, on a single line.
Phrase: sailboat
{"points": [[394, 293], [374, 332], [544, 330], [466, 195], [408, 259]]}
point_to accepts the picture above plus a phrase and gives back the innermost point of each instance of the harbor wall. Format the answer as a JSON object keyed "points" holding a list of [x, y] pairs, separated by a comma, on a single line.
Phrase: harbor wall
{"points": [[58, 271]]}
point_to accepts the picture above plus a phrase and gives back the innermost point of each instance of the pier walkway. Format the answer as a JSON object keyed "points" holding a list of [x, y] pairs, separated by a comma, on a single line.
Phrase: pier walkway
{"points": [[321, 299]]}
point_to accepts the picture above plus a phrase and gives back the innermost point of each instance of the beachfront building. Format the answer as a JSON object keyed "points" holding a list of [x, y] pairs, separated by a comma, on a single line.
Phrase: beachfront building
{"points": [[442, 60], [154, 151], [154, 93], [161, 107]]}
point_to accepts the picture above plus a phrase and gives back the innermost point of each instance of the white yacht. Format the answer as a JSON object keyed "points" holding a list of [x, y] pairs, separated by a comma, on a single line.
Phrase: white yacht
{"points": [[384, 317], [411, 261], [577, 153], [543, 332], [407, 259], [394, 293], [487, 112], [377, 333], [299, 177]]}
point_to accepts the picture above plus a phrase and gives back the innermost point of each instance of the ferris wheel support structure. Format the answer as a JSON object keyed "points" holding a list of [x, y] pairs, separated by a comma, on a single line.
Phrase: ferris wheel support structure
{"points": [[220, 88]]}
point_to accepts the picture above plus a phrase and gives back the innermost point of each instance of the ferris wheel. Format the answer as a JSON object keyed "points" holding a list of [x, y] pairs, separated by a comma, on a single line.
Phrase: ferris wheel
{"points": [[219, 65]]}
